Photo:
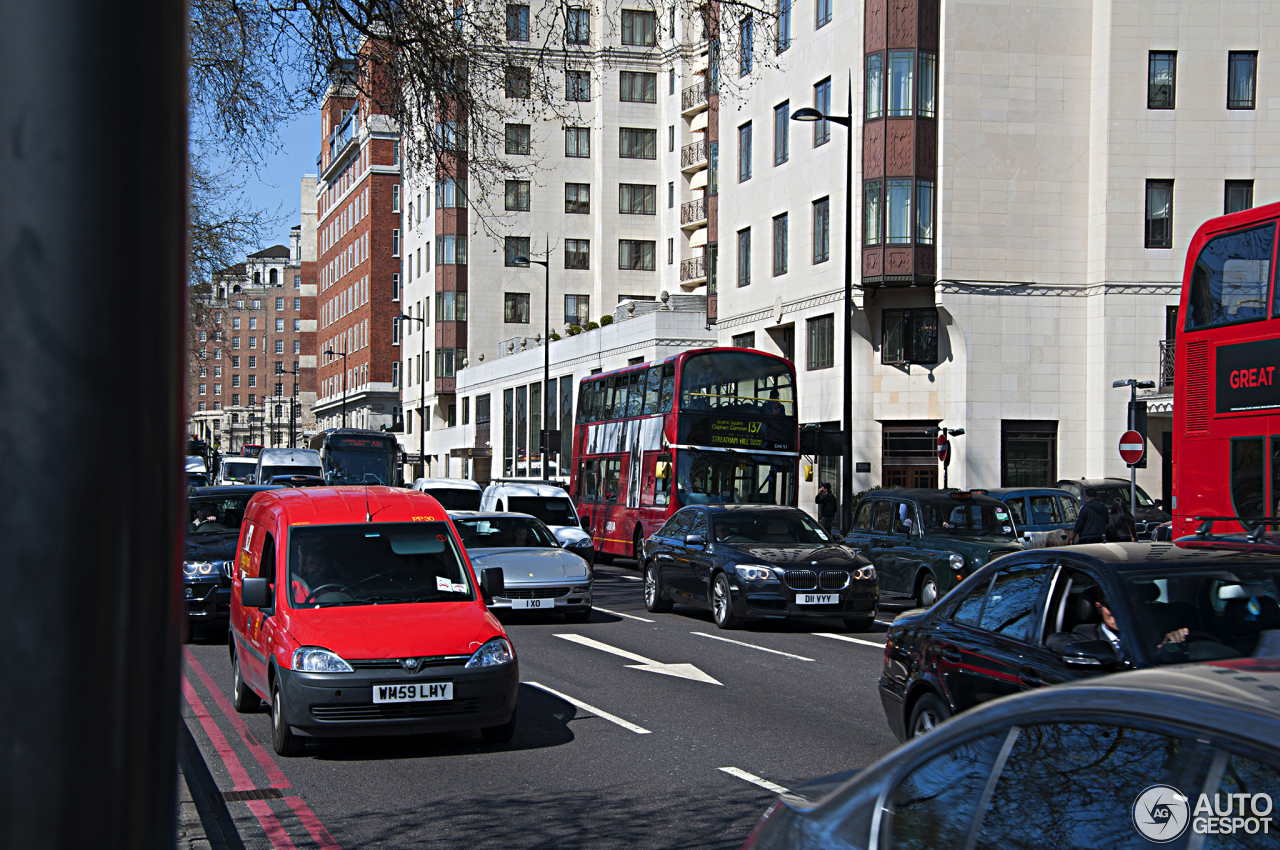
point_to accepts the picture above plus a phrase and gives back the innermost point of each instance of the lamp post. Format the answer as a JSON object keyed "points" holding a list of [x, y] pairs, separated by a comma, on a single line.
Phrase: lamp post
{"points": [[422, 398], [1134, 385], [293, 403], [546, 348], [808, 113], [332, 354]]}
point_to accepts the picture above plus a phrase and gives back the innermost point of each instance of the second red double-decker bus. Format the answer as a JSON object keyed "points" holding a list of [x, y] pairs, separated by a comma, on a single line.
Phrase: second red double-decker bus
{"points": [[704, 427], [1226, 450]]}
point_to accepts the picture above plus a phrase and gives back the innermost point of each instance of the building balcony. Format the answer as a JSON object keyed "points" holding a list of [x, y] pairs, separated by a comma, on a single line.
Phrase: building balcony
{"points": [[693, 270], [1166, 365], [694, 98], [693, 213], [693, 156]]}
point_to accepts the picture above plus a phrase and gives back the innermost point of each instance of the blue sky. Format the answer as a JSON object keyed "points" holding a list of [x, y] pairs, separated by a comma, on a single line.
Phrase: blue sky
{"points": [[276, 184]]}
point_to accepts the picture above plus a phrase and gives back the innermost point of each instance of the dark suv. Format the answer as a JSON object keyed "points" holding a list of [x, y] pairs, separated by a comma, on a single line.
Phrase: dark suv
{"points": [[923, 542], [1149, 516], [213, 527]]}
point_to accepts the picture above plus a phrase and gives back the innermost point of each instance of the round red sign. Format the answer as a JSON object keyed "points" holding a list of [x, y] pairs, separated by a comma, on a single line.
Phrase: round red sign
{"points": [[944, 447], [1132, 447]]}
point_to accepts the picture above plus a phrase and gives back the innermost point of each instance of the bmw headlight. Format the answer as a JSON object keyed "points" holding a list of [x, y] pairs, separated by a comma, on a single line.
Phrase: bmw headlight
{"points": [[313, 659], [192, 569], [865, 573], [957, 562], [754, 572], [494, 652]]}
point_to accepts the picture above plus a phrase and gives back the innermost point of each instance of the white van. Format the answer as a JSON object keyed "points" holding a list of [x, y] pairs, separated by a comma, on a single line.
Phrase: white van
{"points": [[236, 470], [453, 494], [287, 462], [547, 502]]}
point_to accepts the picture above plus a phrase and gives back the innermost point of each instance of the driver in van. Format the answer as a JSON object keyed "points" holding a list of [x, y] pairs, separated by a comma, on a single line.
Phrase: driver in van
{"points": [[307, 574]]}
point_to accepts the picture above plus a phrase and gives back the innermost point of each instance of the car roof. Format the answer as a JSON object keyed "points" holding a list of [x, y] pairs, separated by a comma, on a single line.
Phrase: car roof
{"points": [[236, 490], [1186, 553], [277, 455], [747, 507], [1001, 492], [350, 504], [1095, 482], [447, 483], [923, 494], [485, 514], [528, 489]]}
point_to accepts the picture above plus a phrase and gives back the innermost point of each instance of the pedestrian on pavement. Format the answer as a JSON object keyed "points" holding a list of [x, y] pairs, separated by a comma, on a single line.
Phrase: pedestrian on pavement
{"points": [[1120, 527], [827, 505], [1091, 524]]}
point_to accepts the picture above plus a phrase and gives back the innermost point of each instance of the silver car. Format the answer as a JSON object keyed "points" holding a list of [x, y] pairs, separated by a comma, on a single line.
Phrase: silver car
{"points": [[538, 573]]}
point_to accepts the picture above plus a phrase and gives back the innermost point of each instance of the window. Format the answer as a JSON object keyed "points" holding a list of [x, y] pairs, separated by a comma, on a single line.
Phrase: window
{"points": [[1159, 229], [235, 323], [253, 380], [577, 85], [874, 94], [515, 248], [451, 306], [779, 244], [279, 326], [744, 257], [1230, 278], [671, 251], [1242, 68], [1028, 459], [821, 342], [871, 213], [518, 195], [637, 143], [781, 133], [395, 286], [1162, 69], [235, 362], [824, 13], [671, 196], [577, 31], [638, 87], [636, 254], [910, 336], [1238, 196], [279, 303], [395, 198], [448, 361], [577, 309], [577, 142], [518, 139], [517, 22], [451, 135], [746, 46], [577, 254], [279, 346], [746, 340], [635, 199], [639, 28], [822, 102], [449, 194], [235, 342], [515, 308], [821, 230], [671, 137], [297, 346], [924, 212], [518, 82], [297, 304], [784, 25], [744, 152], [899, 211], [451, 249], [202, 389], [928, 85], [900, 78], [395, 373]]}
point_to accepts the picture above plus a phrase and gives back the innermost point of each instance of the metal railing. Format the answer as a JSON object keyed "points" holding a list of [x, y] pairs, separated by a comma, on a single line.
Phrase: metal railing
{"points": [[694, 268], [693, 211], [694, 96], [693, 154], [1166, 363]]}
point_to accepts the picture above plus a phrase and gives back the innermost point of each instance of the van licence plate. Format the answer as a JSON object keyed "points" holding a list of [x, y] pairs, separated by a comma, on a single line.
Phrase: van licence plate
{"points": [[416, 692], [519, 604], [817, 598]]}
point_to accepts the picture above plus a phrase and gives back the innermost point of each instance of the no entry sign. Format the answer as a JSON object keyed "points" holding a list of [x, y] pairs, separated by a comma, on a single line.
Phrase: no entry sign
{"points": [[944, 446], [1132, 447]]}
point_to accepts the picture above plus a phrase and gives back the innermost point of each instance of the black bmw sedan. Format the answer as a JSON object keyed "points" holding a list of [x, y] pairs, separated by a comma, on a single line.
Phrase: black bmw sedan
{"points": [[213, 527], [751, 562]]}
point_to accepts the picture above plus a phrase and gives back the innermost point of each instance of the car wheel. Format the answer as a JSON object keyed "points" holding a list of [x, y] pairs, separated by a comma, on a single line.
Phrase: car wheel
{"points": [[928, 712], [500, 734], [722, 603], [242, 696], [654, 601], [928, 592], [859, 625], [283, 741], [578, 615]]}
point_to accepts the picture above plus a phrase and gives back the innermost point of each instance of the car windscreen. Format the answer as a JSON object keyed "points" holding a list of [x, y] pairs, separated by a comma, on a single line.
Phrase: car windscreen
{"points": [[1121, 492], [269, 472], [348, 467], [237, 469], [767, 529], [1225, 612], [968, 519], [555, 510], [455, 499], [504, 532], [197, 479], [212, 515], [375, 563]]}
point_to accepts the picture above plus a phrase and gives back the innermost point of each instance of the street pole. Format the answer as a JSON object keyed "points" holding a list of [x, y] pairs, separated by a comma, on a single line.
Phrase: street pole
{"points": [[1133, 467], [422, 396], [546, 355], [332, 354]]}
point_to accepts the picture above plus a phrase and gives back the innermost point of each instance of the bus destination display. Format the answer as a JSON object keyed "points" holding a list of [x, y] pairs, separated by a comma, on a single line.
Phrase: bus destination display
{"points": [[1246, 376], [344, 441], [733, 433]]}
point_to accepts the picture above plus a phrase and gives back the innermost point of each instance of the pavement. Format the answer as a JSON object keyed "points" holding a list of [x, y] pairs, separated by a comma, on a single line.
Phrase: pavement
{"points": [[636, 729]]}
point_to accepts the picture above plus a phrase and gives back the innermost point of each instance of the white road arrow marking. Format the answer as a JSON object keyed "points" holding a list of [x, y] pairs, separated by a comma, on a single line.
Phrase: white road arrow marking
{"points": [[620, 614], [603, 715], [754, 780], [680, 671]]}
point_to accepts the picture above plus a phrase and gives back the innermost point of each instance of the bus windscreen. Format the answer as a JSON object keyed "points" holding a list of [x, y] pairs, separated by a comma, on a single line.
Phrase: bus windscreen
{"points": [[358, 467], [738, 382]]}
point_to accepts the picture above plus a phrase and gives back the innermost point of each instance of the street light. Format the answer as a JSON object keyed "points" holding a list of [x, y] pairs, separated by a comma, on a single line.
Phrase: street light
{"points": [[1134, 385], [332, 354], [808, 113], [422, 397], [293, 401], [546, 348]]}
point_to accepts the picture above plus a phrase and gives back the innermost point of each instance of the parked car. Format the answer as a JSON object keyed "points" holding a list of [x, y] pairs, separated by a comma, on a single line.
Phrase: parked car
{"points": [[273, 462], [1149, 516], [752, 562], [236, 470], [1043, 516], [547, 502], [1038, 617], [1121, 761], [455, 494], [923, 542], [197, 474], [537, 573], [209, 547], [312, 563]]}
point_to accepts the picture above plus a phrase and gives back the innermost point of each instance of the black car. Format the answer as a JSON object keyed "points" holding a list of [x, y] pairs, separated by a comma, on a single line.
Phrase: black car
{"points": [[1124, 761], [1149, 516], [213, 527], [748, 562], [1046, 616]]}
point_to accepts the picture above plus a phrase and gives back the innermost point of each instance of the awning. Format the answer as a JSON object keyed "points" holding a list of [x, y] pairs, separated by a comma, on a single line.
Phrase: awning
{"points": [[699, 238], [699, 123], [699, 180]]}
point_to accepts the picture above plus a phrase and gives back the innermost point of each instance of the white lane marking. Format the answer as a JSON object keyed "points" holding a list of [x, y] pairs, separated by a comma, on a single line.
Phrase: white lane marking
{"points": [[603, 715], [620, 614], [849, 639], [751, 646], [885, 622], [755, 780], [680, 671], [631, 578]]}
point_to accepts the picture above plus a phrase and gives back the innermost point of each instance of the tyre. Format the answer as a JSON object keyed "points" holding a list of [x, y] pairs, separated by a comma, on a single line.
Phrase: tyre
{"points": [[928, 712], [283, 741], [859, 625], [654, 601], [500, 734], [242, 696], [578, 615], [928, 592], [722, 603], [637, 547], [603, 557]]}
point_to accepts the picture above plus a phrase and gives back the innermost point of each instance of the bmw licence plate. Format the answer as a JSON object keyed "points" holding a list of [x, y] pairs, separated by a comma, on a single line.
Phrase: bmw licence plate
{"points": [[522, 604], [416, 692], [817, 598]]}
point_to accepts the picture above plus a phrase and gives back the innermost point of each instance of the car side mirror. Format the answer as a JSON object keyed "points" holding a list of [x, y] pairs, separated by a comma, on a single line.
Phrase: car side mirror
{"points": [[695, 540], [1091, 654], [1159, 503], [255, 593], [492, 584], [837, 537]]}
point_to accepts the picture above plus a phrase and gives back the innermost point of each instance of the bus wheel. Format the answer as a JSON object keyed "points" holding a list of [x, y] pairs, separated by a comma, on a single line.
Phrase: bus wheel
{"points": [[637, 548]]}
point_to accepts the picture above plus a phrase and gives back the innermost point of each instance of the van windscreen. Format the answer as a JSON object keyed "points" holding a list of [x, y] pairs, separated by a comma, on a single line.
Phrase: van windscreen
{"points": [[555, 510]]}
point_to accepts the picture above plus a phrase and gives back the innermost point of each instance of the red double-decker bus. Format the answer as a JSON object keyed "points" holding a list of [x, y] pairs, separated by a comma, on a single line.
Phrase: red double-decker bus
{"points": [[1226, 448], [711, 426]]}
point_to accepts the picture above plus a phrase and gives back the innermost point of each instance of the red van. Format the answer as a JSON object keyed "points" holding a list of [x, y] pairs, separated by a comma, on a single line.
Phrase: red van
{"points": [[355, 611]]}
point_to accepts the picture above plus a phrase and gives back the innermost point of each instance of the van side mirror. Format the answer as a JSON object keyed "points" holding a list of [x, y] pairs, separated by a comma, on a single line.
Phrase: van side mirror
{"points": [[255, 593], [492, 584], [1093, 654], [695, 541]]}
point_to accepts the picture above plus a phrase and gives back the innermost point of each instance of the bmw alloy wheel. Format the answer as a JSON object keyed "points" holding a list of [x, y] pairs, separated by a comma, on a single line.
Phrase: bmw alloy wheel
{"points": [[722, 603], [925, 723], [650, 587]]}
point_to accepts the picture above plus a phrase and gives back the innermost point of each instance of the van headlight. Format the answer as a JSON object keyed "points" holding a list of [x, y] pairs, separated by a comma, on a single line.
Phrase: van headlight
{"points": [[494, 652], [313, 659]]}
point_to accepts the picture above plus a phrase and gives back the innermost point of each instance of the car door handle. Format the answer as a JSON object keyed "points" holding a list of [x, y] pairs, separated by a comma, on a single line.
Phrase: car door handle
{"points": [[951, 653]]}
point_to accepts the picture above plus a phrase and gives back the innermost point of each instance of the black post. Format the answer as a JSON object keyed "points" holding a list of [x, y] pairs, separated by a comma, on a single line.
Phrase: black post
{"points": [[846, 480], [546, 356], [89, 617]]}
